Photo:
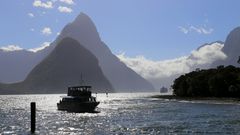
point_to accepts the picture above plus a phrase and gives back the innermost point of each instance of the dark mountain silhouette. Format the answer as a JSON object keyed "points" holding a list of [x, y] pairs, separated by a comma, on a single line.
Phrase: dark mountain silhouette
{"points": [[82, 29], [120, 76], [63, 67]]}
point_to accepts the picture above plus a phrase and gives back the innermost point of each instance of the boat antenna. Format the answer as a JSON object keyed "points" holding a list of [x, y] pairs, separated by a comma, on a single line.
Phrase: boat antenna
{"points": [[82, 81]]}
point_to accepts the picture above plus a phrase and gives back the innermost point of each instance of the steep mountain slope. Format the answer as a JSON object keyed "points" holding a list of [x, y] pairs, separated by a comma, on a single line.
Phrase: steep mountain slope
{"points": [[120, 76], [82, 29], [63, 67], [231, 48], [15, 65]]}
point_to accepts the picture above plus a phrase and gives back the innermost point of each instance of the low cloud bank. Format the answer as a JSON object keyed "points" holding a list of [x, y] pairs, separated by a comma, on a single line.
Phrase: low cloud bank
{"points": [[43, 46], [159, 73], [11, 48], [162, 73]]}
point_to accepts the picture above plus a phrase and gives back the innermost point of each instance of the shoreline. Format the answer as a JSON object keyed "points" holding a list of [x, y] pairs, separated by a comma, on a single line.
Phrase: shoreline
{"points": [[219, 99]]}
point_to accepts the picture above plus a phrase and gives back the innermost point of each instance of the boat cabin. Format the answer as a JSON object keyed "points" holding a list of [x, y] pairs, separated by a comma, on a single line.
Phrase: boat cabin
{"points": [[79, 91]]}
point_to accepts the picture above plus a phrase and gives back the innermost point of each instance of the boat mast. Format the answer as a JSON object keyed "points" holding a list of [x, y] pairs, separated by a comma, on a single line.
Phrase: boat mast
{"points": [[81, 80]]}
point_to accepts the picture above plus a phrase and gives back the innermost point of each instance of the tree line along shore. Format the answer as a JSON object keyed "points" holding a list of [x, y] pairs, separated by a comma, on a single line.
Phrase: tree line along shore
{"points": [[215, 83]]}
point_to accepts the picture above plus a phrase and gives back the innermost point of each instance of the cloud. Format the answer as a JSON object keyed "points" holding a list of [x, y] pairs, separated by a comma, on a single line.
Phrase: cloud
{"points": [[207, 54], [10, 48], [207, 31], [70, 2], [200, 30], [151, 69], [46, 31], [43, 13], [43, 46], [39, 3], [184, 30], [64, 9], [164, 72], [31, 15]]}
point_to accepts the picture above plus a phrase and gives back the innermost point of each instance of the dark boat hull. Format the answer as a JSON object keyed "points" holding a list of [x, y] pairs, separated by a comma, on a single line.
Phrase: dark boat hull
{"points": [[79, 107]]}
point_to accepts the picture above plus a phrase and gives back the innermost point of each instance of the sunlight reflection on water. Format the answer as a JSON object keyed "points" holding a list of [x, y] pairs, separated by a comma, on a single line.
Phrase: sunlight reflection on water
{"points": [[120, 113]]}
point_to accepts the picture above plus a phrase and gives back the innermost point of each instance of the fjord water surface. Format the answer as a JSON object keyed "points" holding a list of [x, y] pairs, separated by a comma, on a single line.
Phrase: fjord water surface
{"points": [[120, 113]]}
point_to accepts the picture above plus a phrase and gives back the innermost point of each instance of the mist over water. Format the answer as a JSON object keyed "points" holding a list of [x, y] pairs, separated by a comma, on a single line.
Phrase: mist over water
{"points": [[120, 113]]}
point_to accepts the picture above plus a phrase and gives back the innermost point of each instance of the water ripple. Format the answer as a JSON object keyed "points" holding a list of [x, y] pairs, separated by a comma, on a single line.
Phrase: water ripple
{"points": [[119, 114]]}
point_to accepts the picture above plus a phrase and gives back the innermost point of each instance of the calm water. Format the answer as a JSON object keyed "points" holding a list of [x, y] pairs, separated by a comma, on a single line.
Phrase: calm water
{"points": [[125, 113]]}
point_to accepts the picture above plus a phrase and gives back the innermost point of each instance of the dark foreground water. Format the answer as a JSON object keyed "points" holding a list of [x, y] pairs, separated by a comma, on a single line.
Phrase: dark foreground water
{"points": [[120, 113]]}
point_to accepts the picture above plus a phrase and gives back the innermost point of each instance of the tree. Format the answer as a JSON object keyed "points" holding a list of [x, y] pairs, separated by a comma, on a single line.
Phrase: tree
{"points": [[219, 82]]}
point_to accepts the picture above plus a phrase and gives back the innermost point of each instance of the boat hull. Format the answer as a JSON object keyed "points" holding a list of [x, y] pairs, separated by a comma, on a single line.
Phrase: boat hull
{"points": [[79, 107]]}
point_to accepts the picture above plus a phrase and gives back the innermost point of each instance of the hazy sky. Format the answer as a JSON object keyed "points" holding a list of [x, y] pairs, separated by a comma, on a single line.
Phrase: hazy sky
{"points": [[156, 29]]}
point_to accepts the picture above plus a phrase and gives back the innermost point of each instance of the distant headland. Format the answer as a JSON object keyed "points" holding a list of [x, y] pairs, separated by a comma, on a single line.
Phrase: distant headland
{"points": [[219, 82], [207, 84]]}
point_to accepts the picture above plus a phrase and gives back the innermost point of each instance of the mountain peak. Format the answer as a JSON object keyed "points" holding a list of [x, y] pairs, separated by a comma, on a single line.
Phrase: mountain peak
{"points": [[120, 76], [232, 42], [79, 42], [235, 30], [82, 27], [64, 66], [83, 16], [231, 48]]}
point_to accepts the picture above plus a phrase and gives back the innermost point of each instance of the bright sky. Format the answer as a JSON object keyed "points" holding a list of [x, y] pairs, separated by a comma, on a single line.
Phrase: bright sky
{"points": [[156, 29]]}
